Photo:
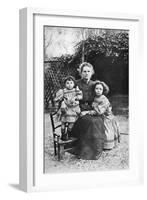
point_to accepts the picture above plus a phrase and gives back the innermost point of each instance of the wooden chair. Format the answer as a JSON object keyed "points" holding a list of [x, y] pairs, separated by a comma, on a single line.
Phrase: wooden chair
{"points": [[60, 146]]}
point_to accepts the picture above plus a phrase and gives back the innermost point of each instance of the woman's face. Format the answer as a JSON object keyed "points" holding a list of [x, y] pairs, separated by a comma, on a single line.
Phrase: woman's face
{"points": [[86, 73], [98, 90]]}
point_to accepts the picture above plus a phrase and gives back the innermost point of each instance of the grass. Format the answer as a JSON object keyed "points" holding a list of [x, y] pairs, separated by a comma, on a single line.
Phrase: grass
{"points": [[115, 159]]}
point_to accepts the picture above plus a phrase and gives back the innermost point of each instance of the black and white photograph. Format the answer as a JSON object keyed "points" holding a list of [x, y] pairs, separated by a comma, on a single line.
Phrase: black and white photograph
{"points": [[77, 124], [86, 99]]}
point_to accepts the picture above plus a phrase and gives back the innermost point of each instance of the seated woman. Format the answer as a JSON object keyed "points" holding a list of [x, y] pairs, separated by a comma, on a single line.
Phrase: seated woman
{"points": [[90, 129]]}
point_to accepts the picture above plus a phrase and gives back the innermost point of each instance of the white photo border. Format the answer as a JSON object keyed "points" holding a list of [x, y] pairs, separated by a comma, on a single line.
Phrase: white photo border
{"points": [[32, 21]]}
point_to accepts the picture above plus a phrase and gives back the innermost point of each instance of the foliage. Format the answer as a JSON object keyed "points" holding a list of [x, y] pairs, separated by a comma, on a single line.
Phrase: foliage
{"points": [[109, 44], [107, 52]]}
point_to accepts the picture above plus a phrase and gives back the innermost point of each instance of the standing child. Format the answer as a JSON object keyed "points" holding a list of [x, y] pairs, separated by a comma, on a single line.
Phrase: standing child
{"points": [[101, 107], [69, 110]]}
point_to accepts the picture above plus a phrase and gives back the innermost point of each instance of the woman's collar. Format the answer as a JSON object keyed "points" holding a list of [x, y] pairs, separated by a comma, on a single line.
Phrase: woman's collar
{"points": [[85, 81]]}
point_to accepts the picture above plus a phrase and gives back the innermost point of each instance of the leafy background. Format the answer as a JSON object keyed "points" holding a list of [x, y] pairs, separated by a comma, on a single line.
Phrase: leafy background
{"points": [[65, 48]]}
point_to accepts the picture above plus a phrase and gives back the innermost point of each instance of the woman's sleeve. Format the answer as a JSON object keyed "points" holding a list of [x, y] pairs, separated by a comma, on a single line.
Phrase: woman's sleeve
{"points": [[102, 107]]}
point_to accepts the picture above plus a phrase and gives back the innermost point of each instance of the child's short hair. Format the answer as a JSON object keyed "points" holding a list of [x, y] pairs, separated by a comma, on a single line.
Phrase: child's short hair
{"points": [[70, 78], [104, 85]]}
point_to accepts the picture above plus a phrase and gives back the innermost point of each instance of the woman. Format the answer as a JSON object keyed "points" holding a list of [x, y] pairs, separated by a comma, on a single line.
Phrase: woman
{"points": [[89, 129]]}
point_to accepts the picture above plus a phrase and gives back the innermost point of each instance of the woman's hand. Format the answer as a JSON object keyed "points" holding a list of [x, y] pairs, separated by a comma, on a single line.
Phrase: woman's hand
{"points": [[92, 112], [84, 113]]}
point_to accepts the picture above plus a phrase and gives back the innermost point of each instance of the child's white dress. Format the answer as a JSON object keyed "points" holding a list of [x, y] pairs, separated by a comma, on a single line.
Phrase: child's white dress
{"points": [[69, 109]]}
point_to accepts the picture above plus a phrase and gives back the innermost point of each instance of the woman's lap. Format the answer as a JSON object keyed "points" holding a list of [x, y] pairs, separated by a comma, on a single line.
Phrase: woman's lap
{"points": [[90, 133], [94, 134]]}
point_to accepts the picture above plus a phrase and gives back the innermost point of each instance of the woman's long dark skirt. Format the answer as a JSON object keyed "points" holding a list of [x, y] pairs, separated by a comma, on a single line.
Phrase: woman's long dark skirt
{"points": [[90, 133]]}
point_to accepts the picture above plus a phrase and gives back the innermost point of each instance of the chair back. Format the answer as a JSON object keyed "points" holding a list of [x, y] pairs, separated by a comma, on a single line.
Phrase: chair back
{"points": [[55, 125]]}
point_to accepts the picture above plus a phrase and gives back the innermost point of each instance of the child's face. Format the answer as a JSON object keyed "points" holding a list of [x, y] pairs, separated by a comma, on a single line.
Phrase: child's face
{"points": [[98, 90], [69, 84]]}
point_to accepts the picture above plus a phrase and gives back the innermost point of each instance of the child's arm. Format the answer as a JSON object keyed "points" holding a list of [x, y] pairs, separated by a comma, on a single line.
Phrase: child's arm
{"points": [[59, 97], [102, 107], [79, 94]]}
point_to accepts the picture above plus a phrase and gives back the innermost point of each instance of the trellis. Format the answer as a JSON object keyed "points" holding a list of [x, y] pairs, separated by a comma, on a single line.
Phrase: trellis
{"points": [[54, 74]]}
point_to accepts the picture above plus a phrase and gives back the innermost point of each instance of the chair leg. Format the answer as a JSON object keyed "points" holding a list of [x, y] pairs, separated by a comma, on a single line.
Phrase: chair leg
{"points": [[59, 157], [55, 150]]}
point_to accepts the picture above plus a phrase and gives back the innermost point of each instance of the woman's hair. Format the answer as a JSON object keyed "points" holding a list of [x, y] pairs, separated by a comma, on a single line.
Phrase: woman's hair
{"points": [[70, 78], [82, 65], [104, 85]]}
